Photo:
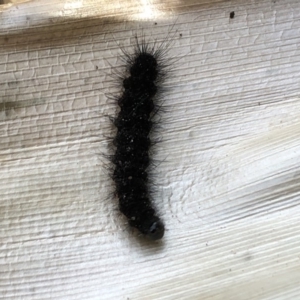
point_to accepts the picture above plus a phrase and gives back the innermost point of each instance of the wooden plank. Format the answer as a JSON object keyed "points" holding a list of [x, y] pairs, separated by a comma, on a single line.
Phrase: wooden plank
{"points": [[228, 181]]}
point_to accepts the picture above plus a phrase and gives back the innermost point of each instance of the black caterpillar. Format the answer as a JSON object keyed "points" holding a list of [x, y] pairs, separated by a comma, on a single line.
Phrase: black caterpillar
{"points": [[138, 105]]}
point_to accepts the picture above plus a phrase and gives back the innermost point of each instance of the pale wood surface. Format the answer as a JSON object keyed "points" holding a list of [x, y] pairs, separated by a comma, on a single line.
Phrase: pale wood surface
{"points": [[228, 183]]}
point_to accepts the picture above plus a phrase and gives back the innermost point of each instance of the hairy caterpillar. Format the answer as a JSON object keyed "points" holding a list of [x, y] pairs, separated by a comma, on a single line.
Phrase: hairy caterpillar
{"points": [[141, 89]]}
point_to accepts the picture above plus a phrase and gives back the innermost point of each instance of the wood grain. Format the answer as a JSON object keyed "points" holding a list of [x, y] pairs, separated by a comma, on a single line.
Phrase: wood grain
{"points": [[229, 172]]}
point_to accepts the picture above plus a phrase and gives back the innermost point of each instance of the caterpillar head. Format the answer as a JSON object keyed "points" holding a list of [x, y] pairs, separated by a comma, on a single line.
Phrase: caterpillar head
{"points": [[152, 227], [156, 230]]}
